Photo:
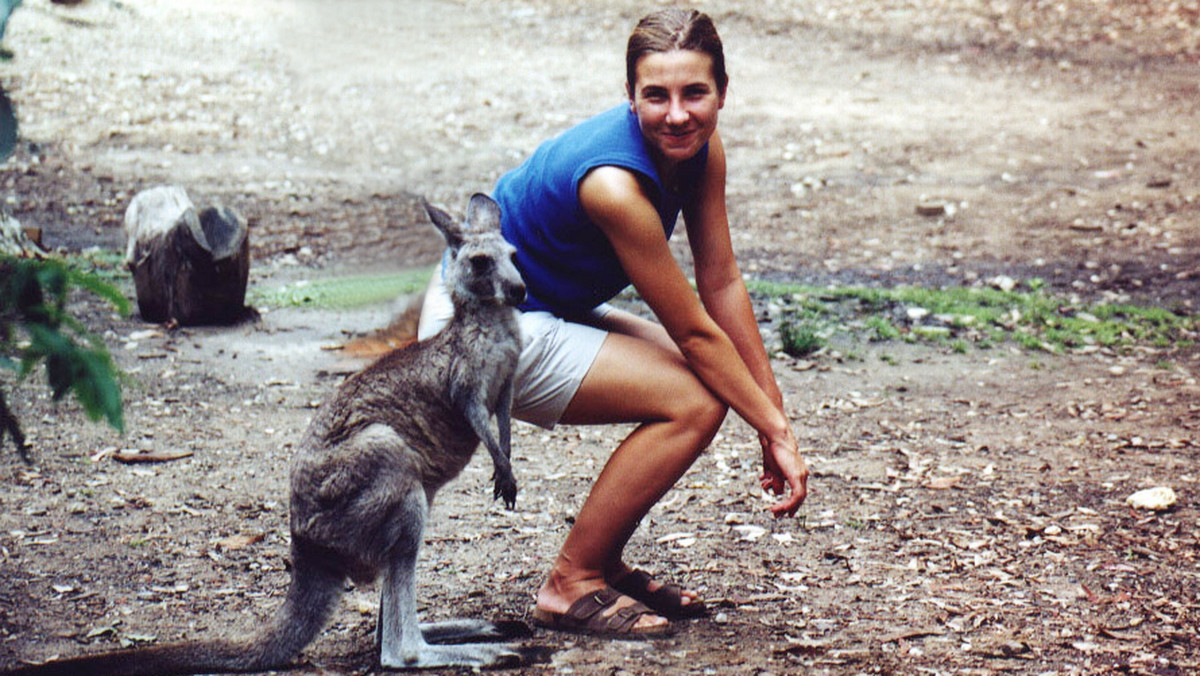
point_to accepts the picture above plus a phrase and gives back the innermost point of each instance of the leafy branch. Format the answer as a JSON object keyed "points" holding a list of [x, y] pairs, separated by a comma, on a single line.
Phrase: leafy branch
{"points": [[35, 327]]}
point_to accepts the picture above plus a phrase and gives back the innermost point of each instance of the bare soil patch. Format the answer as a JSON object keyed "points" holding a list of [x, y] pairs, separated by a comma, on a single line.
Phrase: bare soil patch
{"points": [[968, 511]]}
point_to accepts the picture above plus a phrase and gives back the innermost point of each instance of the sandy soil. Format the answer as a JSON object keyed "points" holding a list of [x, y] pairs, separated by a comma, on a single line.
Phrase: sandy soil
{"points": [[968, 509]]}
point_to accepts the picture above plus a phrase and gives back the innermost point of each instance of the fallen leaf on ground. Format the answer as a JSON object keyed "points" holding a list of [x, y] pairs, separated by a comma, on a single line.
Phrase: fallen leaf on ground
{"points": [[942, 483], [131, 455], [240, 541]]}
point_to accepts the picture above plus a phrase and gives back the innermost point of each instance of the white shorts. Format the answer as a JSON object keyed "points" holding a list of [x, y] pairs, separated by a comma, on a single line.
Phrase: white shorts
{"points": [[555, 354]]}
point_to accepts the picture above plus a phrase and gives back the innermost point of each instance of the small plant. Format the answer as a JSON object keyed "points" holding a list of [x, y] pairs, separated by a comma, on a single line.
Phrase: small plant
{"points": [[799, 339], [35, 328]]}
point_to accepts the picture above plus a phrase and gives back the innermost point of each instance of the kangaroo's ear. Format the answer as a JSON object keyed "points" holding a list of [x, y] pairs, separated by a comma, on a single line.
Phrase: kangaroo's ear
{"points": [[445, 224], [483, 214]]}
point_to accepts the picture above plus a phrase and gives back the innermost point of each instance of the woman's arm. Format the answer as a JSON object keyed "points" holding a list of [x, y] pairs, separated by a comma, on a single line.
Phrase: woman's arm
{"points": [[723, 292], [614, 199], [718, 278]]}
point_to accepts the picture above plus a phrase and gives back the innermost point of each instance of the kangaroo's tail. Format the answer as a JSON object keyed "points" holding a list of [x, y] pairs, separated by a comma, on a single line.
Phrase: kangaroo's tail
{"points": [[401, 332], [310, 600]]}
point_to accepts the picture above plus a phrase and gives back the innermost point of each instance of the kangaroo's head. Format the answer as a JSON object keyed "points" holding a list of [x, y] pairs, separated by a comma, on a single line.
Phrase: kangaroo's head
{"points": [[480, 269]]}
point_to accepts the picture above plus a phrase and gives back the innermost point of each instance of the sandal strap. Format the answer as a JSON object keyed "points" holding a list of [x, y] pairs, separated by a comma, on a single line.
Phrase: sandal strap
{"points": [[588, 612], [667, 600]]}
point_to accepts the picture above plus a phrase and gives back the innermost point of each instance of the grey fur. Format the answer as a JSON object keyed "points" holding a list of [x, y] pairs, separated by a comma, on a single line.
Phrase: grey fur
{"points": [[367, 471]]}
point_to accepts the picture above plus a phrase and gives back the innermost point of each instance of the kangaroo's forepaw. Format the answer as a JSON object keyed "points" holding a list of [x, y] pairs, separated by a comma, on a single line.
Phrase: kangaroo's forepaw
{"points": [[506, 488]]}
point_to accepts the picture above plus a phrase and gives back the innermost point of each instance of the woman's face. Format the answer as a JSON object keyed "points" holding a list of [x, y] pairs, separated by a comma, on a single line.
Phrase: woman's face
{"points": [[676, 101]]}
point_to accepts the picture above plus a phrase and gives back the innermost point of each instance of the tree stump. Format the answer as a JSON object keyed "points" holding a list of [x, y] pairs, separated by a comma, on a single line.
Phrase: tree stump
{"points": [[190, 268]]}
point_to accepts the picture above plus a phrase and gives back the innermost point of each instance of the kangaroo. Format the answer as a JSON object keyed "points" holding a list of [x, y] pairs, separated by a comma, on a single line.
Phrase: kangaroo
{"points": [[366, 473]]}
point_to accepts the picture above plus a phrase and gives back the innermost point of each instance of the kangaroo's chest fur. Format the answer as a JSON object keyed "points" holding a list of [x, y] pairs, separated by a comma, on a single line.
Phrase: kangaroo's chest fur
{"points": [[423, 394]]}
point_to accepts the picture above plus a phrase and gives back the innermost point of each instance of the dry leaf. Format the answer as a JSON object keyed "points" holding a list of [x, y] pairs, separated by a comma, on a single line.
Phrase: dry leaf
{"points": [[132, 455], [942, 483], [750, 531], [240, 541]]}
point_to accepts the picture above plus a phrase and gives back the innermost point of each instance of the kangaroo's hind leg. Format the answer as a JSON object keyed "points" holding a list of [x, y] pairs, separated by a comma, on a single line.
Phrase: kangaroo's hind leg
{"points": [[403, 642]]}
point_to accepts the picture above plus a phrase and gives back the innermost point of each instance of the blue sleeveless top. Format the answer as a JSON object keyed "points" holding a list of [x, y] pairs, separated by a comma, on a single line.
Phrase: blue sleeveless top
{"points": [[567, 262]]}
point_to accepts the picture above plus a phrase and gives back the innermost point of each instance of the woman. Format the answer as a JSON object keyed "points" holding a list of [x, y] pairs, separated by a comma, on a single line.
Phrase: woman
{"points": [[589, 213]]}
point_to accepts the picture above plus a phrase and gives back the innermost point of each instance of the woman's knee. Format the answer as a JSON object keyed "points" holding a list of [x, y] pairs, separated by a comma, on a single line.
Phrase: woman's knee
{"points": [[702, 413]]}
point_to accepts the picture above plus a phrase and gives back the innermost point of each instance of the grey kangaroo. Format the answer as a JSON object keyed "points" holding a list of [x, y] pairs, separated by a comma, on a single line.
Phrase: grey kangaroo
{"points": [[366, 473]]}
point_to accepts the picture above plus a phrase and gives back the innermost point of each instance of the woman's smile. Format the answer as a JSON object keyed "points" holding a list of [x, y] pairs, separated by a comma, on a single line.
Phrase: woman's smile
{"points": [[676, 102]]}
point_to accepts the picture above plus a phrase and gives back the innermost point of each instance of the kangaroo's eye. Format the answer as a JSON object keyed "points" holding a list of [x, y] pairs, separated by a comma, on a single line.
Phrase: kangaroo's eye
{"points": [[481, 264]]}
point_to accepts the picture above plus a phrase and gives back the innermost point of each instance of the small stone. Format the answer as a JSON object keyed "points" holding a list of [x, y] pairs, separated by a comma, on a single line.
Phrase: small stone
{"points": [[1155, 499], [1003, 282], [916, 313]]}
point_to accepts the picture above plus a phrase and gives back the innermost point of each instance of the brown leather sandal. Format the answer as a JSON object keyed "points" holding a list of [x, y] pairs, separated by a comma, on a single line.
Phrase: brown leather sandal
{"points": [[587, 616], [667, 600]]}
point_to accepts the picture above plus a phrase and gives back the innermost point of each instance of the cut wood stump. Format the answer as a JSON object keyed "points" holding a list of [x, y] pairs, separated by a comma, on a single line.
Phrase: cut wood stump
{"points": [[188, 268], [19, 241]]}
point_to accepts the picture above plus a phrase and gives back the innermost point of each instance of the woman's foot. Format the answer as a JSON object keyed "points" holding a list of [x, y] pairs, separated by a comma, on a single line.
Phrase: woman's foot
{"points": [[606, 612], [591, 605], [669, 600]]}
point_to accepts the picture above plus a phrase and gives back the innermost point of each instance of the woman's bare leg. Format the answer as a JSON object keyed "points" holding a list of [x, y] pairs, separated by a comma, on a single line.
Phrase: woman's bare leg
{"points": [[621, 321], [634, 379]]}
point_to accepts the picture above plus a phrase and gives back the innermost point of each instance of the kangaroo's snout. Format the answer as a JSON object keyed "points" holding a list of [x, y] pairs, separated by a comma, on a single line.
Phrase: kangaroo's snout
{"points": [[514, 294]]}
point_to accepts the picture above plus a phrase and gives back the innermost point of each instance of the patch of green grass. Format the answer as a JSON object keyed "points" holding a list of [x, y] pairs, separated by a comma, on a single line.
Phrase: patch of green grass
{"points": [[800, 338], [881, 329], [340, 292], [962, 317]]}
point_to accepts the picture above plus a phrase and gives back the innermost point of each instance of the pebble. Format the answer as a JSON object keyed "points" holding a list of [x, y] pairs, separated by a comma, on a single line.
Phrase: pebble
{"points": [[1155, 499]]}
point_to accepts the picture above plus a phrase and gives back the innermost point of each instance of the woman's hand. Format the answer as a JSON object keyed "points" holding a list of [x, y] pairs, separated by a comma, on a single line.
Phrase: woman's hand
{"points": [[783, 469]]}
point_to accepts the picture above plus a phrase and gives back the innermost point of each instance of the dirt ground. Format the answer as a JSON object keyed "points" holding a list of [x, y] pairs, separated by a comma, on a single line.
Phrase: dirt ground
{"points": [[967, 513]]}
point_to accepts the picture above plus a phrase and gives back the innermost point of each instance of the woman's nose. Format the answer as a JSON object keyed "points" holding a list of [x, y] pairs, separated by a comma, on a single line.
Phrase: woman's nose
{"points": [[676, 114]]}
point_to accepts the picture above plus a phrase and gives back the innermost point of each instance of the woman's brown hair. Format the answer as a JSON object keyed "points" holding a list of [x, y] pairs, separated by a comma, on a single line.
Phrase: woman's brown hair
{"points": [[674, 28]]}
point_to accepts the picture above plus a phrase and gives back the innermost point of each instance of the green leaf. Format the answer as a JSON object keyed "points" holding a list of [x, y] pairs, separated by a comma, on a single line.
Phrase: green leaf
{"points": [[77, 362], [96, 388], [102, 289]]}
